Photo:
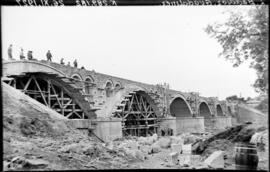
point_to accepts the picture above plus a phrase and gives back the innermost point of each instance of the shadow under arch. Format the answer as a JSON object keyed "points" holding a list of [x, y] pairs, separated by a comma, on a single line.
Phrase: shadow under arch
{"points": [[179, 107], [109, 88], [219, 110], [204, 110], [88, 85]]}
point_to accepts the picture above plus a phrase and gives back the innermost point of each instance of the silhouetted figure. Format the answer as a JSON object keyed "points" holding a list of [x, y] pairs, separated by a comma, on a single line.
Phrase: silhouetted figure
{"points": [[22, 57], [68, 64], [49, 56], [30, 55], [82, 67], [62, 61], [75, 63], [10, 51]]}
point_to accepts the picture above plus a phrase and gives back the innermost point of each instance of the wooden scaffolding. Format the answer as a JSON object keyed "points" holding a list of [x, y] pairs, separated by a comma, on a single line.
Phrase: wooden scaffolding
{"points": [[139, 118], [48, 92]]}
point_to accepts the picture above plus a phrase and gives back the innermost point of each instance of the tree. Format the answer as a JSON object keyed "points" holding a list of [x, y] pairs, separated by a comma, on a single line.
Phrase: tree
{"points": [[244, 36]]}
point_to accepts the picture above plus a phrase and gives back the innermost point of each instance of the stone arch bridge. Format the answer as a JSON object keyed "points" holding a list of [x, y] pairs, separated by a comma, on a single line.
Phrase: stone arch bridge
{"points": [[117, 106]]}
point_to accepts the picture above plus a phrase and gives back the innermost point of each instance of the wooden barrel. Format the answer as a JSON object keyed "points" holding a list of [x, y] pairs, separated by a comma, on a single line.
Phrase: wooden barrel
{"points": [[246, 157]]}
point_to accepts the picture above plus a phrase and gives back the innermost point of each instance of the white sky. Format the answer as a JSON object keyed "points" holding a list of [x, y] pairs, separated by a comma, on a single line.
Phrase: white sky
{"points": [[146, 44]]}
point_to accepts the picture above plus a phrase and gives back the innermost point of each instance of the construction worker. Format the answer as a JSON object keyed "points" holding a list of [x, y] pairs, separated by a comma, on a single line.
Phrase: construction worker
{"points": [[82, 67], [22, 57], [49, 56], [30, 55], [68, 64], [10, 52], [62, 61], [75, 63]]}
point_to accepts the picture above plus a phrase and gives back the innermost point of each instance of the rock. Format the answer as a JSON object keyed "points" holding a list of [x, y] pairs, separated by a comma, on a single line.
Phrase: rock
{"points": [[187, 149], [155, 137], [110, 146], [177, 140], [36, 163], [149, 140], [189, 138], [155, 148], [140, 155], [164, 142], [176, 148], [131, 153], [146, 149], [75, 148], [92, 150], [141, 140], [215, 160], [195, 145], [17, 163], [201, 166], [174, 157], [184, 160], [187, 160], [5, 165], [132, 145]]}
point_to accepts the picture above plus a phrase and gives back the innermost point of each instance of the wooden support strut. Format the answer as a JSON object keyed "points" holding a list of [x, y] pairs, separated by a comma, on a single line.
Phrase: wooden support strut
{"points": [[41, 93]]}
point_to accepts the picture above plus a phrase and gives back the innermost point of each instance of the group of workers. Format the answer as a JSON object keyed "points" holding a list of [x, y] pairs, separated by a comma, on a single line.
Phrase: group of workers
{"points": [[30, 56]]}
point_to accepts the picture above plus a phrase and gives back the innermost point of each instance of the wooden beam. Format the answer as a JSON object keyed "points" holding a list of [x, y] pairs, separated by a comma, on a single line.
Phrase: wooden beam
{"points": [[138, 104], [15, 83], [40, 91], [62, 96], [77, 114], [68, 103], [49, 92], [130, 103], [56, 96], [21, 83], [27, 84]]}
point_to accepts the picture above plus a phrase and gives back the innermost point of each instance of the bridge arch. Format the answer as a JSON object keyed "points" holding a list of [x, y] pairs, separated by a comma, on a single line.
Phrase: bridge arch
{"points": [[204, 110], [219, 110], [87, 87], [109, 88], [117, 86], [77, 76], [20, 67], [179, 107]]}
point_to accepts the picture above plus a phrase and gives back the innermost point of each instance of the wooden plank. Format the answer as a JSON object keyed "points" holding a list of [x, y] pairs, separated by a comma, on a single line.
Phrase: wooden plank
{"points": [[70, 110], [145, 119]]}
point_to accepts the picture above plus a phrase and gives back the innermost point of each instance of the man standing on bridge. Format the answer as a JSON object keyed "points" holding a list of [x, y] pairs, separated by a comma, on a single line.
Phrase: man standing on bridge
{"points": [[30, 55], [49, 56], [75, 63], [62, 61], [10, 52], [21, 55]]}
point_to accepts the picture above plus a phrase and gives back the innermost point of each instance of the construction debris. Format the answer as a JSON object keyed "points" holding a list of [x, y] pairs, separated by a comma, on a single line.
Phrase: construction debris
{"points": [[215, 160]]}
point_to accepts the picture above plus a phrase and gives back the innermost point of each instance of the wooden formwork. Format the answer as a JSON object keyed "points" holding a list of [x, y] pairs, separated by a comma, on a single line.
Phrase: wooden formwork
{"points": [[138, 114], [46, 89]]}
